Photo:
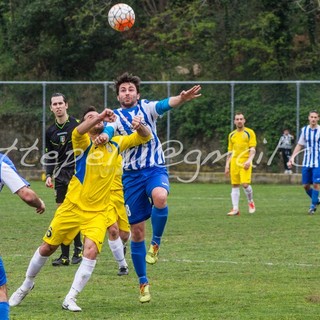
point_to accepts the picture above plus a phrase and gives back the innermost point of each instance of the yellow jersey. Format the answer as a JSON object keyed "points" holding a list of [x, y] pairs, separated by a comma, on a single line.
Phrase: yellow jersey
{"points": [[117, 182], [95, 169], [239, 143]]}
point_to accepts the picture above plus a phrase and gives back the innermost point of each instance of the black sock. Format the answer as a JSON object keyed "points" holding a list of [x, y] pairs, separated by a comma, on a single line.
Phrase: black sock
{"points": [[65, 250]]}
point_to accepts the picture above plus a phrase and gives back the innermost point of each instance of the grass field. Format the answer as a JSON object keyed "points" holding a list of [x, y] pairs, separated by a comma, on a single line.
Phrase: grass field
{"points": [[260, 266]]}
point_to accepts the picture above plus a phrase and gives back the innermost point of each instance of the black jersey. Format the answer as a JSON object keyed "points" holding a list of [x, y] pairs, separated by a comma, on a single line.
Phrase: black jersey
{"points": [[59, 152]]}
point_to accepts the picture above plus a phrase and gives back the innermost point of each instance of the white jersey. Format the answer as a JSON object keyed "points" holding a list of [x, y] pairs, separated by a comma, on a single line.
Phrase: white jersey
{"points": [[148, 154], [310, 139], [285, 141], [9, 175]]}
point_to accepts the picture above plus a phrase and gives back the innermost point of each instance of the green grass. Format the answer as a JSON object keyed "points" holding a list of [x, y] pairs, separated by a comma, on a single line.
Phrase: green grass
{"points": [[260, 266]]}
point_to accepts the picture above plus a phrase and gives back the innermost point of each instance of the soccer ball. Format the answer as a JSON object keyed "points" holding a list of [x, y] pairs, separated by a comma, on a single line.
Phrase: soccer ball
{"points": [[121, 17]]}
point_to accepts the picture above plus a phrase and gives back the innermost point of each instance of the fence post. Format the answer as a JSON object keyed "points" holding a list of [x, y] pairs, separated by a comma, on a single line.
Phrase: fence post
{"points": [[232, 105], [43, 119], [168, 119], [105, 95], [298, 84]]}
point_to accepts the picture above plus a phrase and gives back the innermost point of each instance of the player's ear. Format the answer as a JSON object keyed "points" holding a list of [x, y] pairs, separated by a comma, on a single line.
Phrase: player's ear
{"points": [[67, 106], [138, 96]]}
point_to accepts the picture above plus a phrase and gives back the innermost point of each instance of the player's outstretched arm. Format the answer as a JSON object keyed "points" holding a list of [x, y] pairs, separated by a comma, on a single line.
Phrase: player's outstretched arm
{"points": [[31, 198], [184, 96]]}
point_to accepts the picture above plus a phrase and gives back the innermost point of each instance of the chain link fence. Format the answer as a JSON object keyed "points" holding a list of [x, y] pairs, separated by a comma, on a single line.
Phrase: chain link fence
{"points": [[269, 107]]}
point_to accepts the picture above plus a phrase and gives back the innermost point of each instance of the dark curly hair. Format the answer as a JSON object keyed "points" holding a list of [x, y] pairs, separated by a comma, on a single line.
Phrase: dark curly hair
{"points": [[127, 78]]}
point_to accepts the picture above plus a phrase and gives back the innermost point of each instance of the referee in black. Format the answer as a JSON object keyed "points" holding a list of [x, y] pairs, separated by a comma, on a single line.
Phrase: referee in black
{"points": [[60, 166]]}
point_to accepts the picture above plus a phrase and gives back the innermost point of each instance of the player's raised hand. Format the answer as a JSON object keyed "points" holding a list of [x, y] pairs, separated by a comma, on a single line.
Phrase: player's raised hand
{"points": [[140, 126], [102, 138], [187, 95], [108, 115]]}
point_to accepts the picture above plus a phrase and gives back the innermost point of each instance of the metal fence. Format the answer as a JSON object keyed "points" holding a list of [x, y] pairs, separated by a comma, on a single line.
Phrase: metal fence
{"points": [[104, 92]]}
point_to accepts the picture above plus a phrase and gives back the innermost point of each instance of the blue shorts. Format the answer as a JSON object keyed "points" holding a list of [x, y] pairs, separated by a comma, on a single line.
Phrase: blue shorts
{"points": [[138, 186], [3, 278], [310, 175]]}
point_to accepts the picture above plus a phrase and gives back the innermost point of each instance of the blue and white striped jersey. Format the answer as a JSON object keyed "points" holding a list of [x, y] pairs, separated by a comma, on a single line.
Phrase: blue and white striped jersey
{"points": [[9, 175], [149, 154], [310, 139]]}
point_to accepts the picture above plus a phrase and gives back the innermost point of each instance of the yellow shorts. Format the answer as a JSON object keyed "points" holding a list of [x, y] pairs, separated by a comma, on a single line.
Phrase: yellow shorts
{"points": [[117, 212], [238, 174], [69, 219]]}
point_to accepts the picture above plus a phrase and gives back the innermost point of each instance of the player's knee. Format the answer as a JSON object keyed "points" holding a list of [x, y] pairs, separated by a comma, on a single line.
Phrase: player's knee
{"points": [[46, 249], [90, 253], [113, 232], [137, 232], [124, 235], [90, 250], [160, 204], [160, 200]]}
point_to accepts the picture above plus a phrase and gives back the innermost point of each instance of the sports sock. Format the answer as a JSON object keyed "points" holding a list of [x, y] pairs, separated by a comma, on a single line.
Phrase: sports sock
{"points": [[35, 265], [235, 196], [315, 197], [65, 250], [116, 247], [138, 255], [82, 276], [4, 310], [159, 219], [249, 193], [309, 192]]}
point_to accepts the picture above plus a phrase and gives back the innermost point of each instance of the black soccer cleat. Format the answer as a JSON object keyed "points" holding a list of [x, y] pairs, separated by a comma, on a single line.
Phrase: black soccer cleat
{"points": [[61, 261]]}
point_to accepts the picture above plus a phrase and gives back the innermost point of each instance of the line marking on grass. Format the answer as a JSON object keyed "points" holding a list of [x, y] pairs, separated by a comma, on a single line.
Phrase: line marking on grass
{"points": [[274, 264], [242, 262]]}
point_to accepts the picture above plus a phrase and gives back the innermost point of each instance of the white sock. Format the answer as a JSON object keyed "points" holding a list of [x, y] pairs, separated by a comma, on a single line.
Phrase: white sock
{"points": [[82, 276], [35, 265], [249, 193], [235, 196], [116, 247]]}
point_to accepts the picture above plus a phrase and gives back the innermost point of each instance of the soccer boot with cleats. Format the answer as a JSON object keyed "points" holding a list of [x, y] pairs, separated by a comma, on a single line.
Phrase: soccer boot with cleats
{"points": [[144, 293], [61, 261], [252, 207], [234, 212], [152, 254], [77, 256], [71, 305], [18, 296], [123, 271], [312, 209]]}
